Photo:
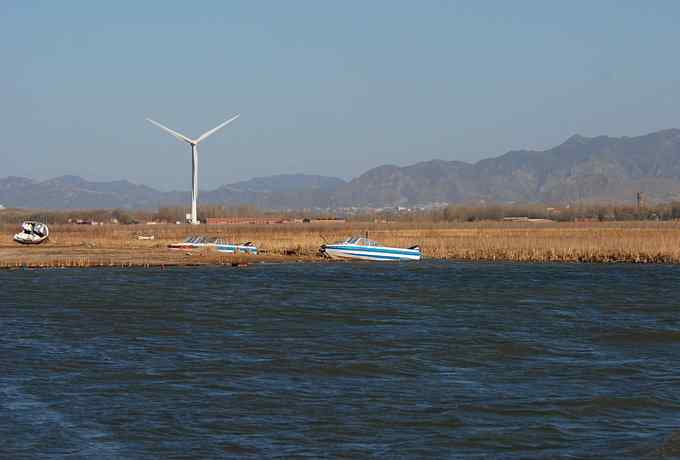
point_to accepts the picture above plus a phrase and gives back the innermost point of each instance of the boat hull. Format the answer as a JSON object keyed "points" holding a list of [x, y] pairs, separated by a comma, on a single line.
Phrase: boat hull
{"points": [[376, 253], [181, 247], [19, 238], [236, 249]]}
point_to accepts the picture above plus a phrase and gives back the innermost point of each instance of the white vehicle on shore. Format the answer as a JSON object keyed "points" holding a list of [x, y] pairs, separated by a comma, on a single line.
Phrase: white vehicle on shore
{"points": [[32, 233]]}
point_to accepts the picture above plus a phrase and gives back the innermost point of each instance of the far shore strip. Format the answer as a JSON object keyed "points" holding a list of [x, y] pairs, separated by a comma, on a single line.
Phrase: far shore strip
{"points": [[571, 242]]}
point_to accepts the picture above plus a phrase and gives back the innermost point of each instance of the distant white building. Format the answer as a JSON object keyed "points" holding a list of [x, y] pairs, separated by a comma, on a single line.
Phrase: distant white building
{"points": [[2, 207]]}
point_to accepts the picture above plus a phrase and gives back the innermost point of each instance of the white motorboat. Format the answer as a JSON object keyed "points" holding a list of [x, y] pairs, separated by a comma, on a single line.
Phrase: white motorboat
{"points": [[32, 233]]}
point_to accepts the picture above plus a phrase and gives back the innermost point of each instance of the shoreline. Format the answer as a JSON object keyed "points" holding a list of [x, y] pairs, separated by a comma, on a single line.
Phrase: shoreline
{"points": [[123, 259], [113, 258]]}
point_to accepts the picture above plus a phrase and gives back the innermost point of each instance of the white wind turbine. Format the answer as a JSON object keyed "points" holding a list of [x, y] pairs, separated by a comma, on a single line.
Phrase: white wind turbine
{"points": [[194, 158]]}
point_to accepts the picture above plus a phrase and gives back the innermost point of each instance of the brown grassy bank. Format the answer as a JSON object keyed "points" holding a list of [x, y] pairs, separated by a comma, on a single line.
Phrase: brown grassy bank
{"points": [[116, 245]]}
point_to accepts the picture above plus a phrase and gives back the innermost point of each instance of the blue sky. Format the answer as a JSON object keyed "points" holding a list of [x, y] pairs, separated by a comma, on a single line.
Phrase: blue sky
{"points": [[331, 88]]}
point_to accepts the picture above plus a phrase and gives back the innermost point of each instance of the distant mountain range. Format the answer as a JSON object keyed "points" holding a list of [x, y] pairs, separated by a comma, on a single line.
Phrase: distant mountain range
{"points": [[585, 169]]}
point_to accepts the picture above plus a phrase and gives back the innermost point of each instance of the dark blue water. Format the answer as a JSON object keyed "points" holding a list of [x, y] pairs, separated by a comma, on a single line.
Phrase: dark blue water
{"points": [[432, 359]]}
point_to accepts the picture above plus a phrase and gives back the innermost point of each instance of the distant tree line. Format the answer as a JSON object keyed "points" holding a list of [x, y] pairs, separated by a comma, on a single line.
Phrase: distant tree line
{"points": [[466, 213], [123, 216], [452, 213]]}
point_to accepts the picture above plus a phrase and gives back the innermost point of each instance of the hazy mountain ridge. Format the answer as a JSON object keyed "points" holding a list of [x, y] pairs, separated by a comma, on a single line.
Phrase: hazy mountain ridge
{"points": [[600, 168], [594, 169], [73, 192]]}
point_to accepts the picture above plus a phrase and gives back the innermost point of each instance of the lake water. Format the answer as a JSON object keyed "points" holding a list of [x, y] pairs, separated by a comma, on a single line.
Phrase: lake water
{"points": [[431, 359]]}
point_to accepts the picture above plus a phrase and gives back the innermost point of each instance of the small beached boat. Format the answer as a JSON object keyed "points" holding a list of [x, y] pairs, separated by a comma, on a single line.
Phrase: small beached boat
{"points": [[32, 233], [245, 248], [197, 242], [365, 249]]}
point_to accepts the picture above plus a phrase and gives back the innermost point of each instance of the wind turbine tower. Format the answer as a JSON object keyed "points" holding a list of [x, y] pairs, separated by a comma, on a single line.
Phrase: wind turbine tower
{"points": [[194, 158]]}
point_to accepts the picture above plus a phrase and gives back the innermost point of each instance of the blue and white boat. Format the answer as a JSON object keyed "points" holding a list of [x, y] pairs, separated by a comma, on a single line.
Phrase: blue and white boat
{"points": [[365, 249], [198, 242], [245, 248]]}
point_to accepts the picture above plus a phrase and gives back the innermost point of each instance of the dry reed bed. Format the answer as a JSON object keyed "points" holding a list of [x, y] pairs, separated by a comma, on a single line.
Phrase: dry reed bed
{"points": [[635, 242]]}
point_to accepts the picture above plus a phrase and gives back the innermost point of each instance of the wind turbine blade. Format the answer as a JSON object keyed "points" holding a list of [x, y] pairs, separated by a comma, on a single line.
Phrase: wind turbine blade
{"points": [[179, 136], [208, 133]]}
